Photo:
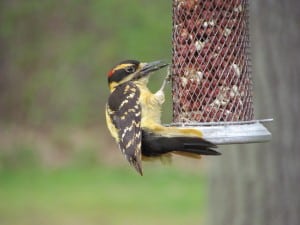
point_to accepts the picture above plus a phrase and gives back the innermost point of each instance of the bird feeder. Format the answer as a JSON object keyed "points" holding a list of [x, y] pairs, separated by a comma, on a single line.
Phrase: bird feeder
{"points": [[211, 67]]}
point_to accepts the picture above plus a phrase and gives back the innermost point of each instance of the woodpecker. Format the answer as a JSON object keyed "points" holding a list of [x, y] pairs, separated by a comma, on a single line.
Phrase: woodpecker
{"points": [[133, 115]]}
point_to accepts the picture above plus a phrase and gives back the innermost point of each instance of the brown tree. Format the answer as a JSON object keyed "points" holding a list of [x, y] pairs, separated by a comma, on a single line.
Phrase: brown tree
{"points": [[258, 184]]}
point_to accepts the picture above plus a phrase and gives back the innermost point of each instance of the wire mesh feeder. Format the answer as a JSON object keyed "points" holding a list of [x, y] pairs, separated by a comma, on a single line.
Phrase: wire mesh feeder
{"points": [[211, 67]]}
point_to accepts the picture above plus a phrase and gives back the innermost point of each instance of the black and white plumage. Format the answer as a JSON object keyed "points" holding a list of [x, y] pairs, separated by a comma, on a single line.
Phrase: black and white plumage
{"points": [[124, 112]]}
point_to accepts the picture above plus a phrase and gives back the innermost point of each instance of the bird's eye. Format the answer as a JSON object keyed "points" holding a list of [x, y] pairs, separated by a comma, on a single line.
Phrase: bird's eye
{"points": [[130, 69]]}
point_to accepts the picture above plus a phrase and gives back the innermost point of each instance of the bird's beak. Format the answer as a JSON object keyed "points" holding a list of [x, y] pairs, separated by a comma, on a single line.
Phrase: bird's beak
{"points": [[147, 68]]}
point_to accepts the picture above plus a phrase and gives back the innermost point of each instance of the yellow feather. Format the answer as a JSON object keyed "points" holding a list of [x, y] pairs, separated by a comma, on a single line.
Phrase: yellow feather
{"points": [[111, 127]]}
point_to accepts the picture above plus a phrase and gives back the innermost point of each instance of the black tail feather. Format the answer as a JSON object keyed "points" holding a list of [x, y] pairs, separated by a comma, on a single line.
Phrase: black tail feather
{"points": [[202, 151], [156, 145]]}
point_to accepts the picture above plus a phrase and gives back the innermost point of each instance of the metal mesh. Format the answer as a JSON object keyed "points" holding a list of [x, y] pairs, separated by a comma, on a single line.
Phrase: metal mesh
{"points": [[211, 65]]}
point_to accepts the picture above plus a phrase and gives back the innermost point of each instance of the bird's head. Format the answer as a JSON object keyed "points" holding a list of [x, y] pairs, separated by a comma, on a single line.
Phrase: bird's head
{"points": [[132, 70]]}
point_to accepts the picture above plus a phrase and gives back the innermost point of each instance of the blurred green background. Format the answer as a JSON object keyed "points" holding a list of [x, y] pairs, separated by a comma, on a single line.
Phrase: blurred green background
{"points": [[58, 164]]}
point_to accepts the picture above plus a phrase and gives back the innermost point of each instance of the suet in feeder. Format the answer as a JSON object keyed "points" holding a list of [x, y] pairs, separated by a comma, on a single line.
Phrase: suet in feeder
{"points": [[211, 68]]}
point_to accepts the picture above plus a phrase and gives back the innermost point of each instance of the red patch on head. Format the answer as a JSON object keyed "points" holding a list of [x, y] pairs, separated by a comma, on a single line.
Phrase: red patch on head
{"points": [[110, 73]]}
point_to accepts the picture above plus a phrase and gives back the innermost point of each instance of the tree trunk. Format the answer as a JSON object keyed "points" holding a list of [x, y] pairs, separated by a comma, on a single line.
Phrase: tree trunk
{"points": [[258, 184]]}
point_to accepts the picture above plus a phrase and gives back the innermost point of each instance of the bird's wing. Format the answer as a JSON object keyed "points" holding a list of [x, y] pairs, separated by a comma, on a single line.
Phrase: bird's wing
{"points": [[124, 111]]}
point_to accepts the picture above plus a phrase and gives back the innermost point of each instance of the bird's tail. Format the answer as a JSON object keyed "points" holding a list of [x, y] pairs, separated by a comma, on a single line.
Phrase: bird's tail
{"points": [[182, 141]]}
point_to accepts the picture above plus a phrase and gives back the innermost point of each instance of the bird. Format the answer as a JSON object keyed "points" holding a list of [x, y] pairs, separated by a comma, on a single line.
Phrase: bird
{"points": [[133, 117]]}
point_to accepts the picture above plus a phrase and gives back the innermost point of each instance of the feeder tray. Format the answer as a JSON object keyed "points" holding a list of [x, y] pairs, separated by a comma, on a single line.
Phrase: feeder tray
{"points": [[211, 71], [222, 133]]}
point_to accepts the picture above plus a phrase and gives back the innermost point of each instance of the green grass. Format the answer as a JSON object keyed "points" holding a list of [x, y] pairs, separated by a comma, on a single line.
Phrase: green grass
{"points": [[101, 195]]}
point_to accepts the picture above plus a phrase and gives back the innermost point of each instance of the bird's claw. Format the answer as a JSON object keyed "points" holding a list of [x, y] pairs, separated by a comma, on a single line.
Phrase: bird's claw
{"points": [[169, 75], [167, 79]]}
